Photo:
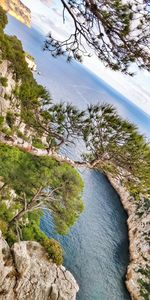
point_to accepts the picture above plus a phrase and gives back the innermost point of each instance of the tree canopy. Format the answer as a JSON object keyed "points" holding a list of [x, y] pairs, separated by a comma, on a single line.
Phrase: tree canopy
{"points": [[116, 31], [62, 124], [114, 145], [41, 183]]}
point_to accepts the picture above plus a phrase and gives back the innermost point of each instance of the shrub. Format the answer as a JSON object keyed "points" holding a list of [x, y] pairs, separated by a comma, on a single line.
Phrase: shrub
{"points": [[3, 227], [10, 119], [3, 18], [7, 131], [54, 250], [37, 143], [22, 136], [11, 237], [5, 213], [1, 121], [3, 81]]}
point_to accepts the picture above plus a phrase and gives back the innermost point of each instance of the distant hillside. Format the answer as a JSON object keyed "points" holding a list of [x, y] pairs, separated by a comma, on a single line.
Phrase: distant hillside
{"points": [[18, 10]]}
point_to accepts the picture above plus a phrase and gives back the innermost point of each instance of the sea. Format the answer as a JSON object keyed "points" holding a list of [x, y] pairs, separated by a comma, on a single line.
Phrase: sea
{"points": [[96, 248]]}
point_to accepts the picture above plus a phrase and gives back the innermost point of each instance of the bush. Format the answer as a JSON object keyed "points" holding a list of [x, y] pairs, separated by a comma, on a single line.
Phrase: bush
{"points": [[7, 131], [11, 237], [3, 227], [5, 213], [22, 136], [54, 250], [3, 81], [37, 144], [3, 18], [10, 119], [1, 121]]}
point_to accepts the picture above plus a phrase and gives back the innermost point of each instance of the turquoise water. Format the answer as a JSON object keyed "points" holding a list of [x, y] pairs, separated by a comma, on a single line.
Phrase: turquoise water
{"points": [[96, 249]]}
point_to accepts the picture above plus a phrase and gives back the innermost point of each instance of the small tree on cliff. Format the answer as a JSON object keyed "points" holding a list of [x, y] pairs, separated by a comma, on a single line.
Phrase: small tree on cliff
{"points": [[116, 31], [109, 138], [41, 183], [62, 123]]}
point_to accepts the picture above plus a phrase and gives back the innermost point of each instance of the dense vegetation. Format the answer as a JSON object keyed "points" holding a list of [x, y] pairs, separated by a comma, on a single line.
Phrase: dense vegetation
{"points": [[39, 184], [29, 92], [114, 145], [29, 184]]}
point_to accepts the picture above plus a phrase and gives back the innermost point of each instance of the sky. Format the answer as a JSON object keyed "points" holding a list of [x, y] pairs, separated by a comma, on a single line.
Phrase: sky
{"points": [[47, 17]]}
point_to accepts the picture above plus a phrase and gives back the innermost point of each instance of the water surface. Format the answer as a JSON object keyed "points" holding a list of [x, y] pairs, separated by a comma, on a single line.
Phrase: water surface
{"points": [[96, 250]]}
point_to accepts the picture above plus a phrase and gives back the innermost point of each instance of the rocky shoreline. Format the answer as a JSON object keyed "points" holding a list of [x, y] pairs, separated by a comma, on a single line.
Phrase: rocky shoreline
{"points": [[27, 273], [139, 248]]}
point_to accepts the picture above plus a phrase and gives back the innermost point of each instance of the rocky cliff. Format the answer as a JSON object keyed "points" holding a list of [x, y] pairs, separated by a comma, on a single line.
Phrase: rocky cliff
{"points": [[18, 10], [27, 274], [138, 272]]}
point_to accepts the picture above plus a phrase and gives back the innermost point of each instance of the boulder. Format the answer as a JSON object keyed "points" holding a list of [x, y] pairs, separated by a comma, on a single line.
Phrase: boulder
{"points": [[26, 273]]}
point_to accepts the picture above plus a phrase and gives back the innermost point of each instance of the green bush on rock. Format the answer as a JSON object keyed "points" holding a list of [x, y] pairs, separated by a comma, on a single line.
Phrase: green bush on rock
{"points": [[3, 81], [54, 250]]}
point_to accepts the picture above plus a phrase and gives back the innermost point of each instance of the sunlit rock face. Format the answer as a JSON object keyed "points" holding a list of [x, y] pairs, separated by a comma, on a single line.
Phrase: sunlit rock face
{"points": [[26, 273], [18, 10], [137, 277]]}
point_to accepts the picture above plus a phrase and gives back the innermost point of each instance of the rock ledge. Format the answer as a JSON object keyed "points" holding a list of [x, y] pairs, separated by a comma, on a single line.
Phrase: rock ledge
{"points": [[26, 273]]}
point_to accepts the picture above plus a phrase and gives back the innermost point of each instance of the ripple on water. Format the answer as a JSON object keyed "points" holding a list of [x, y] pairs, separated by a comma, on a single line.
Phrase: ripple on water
{"points": [[96, 249]]}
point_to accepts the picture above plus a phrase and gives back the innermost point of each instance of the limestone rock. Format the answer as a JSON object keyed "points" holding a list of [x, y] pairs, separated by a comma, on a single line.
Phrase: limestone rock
{"points": [[7, 272], [18, 10], [139, 248], [26, 273]]}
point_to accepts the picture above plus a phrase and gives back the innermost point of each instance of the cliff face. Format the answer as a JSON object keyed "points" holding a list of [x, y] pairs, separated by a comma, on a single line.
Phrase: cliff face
{"points": [[138, 272], [18, 10], [27, 274], [8, 101]]}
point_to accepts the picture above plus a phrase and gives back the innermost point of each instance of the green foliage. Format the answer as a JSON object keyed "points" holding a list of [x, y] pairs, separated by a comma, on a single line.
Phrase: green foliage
{"points": [[26, 173], [116, 31], [5, 213], [36, 142], [10, 119], [21, 135], [31, 94], [114, 145], [54, 250], [144, 288], [3, 18], [1, 122], [3, 81], [11, 236], [3, 227], [62, 124], [7, 131], [32, 232]]}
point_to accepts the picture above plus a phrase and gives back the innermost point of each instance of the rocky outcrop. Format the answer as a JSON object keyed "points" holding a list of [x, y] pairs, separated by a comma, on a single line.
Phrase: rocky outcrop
{"points": [[138, 272], [18, 10], [9, 103], [31, 63], [26, 273]]}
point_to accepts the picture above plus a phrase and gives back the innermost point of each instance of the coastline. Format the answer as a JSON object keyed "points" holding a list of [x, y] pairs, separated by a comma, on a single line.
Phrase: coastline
{"points": [[139, 249]]}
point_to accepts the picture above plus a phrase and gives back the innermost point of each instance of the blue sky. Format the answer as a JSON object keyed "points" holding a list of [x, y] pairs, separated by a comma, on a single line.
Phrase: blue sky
{"points": [[47, 16]]}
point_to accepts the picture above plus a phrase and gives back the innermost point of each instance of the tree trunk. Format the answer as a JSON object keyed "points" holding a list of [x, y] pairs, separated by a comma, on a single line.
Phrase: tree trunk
{"points": [[17, 217]]}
